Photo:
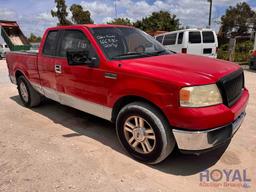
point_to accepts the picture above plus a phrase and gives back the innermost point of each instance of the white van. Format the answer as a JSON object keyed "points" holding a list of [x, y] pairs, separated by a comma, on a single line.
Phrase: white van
{"points": [[4, 49], [192, 41], [1, 52]]}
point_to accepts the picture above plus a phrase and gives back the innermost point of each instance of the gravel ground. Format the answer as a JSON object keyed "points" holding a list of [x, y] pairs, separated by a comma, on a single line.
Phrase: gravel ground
{"points": [[57, 148]]}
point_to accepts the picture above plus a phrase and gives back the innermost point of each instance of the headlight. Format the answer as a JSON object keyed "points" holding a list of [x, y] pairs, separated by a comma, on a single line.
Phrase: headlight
{"points": [[200, 96]]}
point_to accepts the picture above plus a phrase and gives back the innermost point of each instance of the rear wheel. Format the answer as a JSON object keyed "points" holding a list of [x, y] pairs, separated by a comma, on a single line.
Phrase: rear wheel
{"points": [[144, 133], [28, 95]]}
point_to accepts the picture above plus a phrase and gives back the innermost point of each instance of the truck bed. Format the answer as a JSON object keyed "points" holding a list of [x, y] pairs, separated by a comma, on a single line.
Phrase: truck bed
{"points": [[23, 61], [29, 52]]}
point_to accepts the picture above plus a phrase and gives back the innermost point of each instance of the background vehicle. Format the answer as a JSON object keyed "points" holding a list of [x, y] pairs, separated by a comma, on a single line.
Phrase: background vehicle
{"points": [[156, 98], [34, 46], [202, 42], [4, 49], [1, 52]]}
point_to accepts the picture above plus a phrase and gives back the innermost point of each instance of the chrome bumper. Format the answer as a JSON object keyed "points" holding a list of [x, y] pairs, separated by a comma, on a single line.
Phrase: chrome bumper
{"points": [[203, 140]]}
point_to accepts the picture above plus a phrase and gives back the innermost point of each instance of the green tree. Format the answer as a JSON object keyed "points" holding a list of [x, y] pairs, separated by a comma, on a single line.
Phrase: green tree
{"points": [[61, 12], [158, 21], [237, 20], [34, 39], [121, 21], [80, 16]]}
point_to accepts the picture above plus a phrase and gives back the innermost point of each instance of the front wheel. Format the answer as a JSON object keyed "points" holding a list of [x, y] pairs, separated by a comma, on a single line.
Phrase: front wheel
{"points": [[144, 133]]}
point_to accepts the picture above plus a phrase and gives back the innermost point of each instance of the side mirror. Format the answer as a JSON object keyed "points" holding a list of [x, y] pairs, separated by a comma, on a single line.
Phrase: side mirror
{"points": [[81, 57]]}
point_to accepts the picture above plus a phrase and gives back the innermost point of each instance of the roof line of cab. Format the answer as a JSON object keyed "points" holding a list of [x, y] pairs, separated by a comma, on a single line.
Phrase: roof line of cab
{"points": [[88, 26]]}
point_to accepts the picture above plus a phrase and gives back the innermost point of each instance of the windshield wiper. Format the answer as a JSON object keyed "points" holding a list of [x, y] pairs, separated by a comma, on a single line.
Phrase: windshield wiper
{"points": [[130, 54], [138, 54], [157, 52]]}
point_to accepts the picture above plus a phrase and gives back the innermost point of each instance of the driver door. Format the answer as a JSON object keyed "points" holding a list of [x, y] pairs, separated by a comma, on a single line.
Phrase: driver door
{"points": [[79, 86]]}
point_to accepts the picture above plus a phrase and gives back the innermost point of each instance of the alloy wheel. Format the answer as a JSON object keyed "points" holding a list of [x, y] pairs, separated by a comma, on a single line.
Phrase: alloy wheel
{"points": [[139, 134]]}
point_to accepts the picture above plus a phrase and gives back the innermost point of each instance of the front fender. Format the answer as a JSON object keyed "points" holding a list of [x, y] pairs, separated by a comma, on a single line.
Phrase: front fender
{"points": [[159, 93]]}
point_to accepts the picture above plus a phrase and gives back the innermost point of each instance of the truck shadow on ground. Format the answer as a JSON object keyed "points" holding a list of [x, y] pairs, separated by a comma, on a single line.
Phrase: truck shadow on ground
{"points": [[83, 124]]}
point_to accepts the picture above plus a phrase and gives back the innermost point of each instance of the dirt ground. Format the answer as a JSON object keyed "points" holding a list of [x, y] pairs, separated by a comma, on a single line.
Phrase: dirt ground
{"points": [[57, 148]]}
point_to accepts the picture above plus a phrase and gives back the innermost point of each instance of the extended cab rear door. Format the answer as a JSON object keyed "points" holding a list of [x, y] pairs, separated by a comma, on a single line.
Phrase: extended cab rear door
{"points": [[46, 64]]}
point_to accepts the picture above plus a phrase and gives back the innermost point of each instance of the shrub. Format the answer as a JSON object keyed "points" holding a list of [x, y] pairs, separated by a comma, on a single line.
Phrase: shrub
{"points": [[242, 51]]}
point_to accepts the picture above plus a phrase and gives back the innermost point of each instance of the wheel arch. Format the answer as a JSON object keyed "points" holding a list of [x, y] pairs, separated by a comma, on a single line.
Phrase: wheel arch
{"points": [[125, 100], [18, 73]]}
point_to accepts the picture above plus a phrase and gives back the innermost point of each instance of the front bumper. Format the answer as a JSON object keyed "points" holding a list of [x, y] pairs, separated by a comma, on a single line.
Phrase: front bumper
{"points": [[207, 139]]}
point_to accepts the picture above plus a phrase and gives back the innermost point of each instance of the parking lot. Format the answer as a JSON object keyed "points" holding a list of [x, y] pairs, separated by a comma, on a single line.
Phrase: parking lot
{"points": [[57, 148]]}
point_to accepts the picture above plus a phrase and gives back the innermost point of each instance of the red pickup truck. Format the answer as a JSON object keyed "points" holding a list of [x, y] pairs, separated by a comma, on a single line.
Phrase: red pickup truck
{"points": [[157, 99]]}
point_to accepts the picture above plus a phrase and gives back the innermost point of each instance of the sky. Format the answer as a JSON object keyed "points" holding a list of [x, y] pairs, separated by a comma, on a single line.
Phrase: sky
{"points": [[34, 16]]}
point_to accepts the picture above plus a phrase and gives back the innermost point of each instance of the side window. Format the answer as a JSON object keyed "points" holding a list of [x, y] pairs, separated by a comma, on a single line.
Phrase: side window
{"points": [[180, 37], [50, 44], [160, 38], [74, 40], [170, 39], [195, 37], [208, 37]]}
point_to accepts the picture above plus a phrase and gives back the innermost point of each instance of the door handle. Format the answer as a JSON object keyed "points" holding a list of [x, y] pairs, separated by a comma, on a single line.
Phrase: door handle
{"points": [[110, 75], [57, 68]]}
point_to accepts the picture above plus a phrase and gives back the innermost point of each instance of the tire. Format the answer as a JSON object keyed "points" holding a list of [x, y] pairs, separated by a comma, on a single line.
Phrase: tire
{"points": [[152, 138], [32, 98]]}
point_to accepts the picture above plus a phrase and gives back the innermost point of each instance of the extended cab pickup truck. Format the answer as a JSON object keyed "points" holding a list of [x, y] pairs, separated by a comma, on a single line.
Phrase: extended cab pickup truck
{"points": [[156, 98]]}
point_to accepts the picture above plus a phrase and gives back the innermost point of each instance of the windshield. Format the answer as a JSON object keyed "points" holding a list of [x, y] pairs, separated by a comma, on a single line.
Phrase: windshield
{"points": [[125, 43]]}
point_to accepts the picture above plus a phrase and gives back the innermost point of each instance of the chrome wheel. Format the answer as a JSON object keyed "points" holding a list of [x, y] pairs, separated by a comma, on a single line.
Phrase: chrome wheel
{"points": [[24, 91], [139, 134]]}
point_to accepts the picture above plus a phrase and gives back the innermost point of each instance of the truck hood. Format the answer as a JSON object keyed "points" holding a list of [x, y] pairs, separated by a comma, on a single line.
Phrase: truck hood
{"points": [[181, 68]]}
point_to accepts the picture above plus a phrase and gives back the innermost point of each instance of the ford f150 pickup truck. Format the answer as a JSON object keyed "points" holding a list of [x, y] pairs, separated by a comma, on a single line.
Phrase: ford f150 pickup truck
{"points": [[156, 98]]}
